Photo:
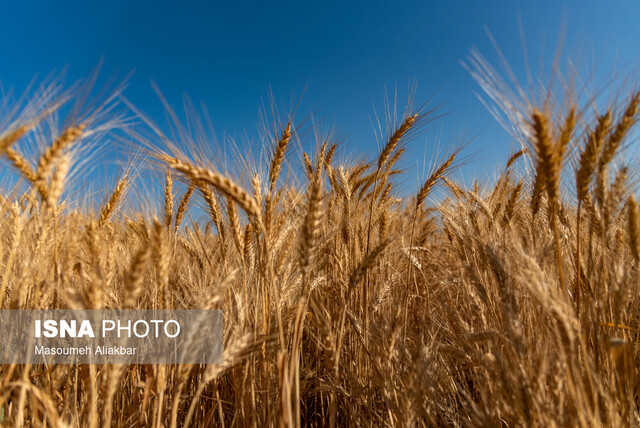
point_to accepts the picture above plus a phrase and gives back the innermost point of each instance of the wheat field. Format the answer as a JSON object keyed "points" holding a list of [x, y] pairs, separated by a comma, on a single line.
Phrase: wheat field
{"points": [[348, 299]]}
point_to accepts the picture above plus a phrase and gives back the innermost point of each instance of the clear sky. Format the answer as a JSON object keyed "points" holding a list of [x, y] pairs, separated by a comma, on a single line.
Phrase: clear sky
{"points": [[228, 54]]}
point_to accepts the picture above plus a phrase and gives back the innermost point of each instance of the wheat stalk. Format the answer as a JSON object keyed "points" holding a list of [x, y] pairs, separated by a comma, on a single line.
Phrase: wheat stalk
{"points": [[634, 228]]}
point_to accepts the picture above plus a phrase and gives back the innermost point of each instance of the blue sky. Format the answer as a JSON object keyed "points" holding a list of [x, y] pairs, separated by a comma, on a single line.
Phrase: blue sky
{"points": [[228, 55]]}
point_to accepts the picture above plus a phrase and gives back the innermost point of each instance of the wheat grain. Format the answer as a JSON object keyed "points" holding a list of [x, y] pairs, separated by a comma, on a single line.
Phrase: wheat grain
{"points": [[634, 228]]}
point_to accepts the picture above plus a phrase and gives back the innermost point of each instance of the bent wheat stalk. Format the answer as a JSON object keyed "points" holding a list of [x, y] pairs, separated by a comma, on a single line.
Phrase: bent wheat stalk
{"points": [[220, 182]]}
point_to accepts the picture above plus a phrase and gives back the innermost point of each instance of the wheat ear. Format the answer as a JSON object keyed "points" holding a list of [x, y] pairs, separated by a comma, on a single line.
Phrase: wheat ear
{"points": [[432, 179], [68, 136], [395, 138], [589, 155], [168, 199], [312, 222], [220, 182], [21, 164], [135, 277], [9, 138], [184, 203], [278, 156], [112, 203]]}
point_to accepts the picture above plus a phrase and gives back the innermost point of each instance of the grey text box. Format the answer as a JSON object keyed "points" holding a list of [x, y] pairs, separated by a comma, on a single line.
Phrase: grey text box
{"points": [[113, 336]]}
